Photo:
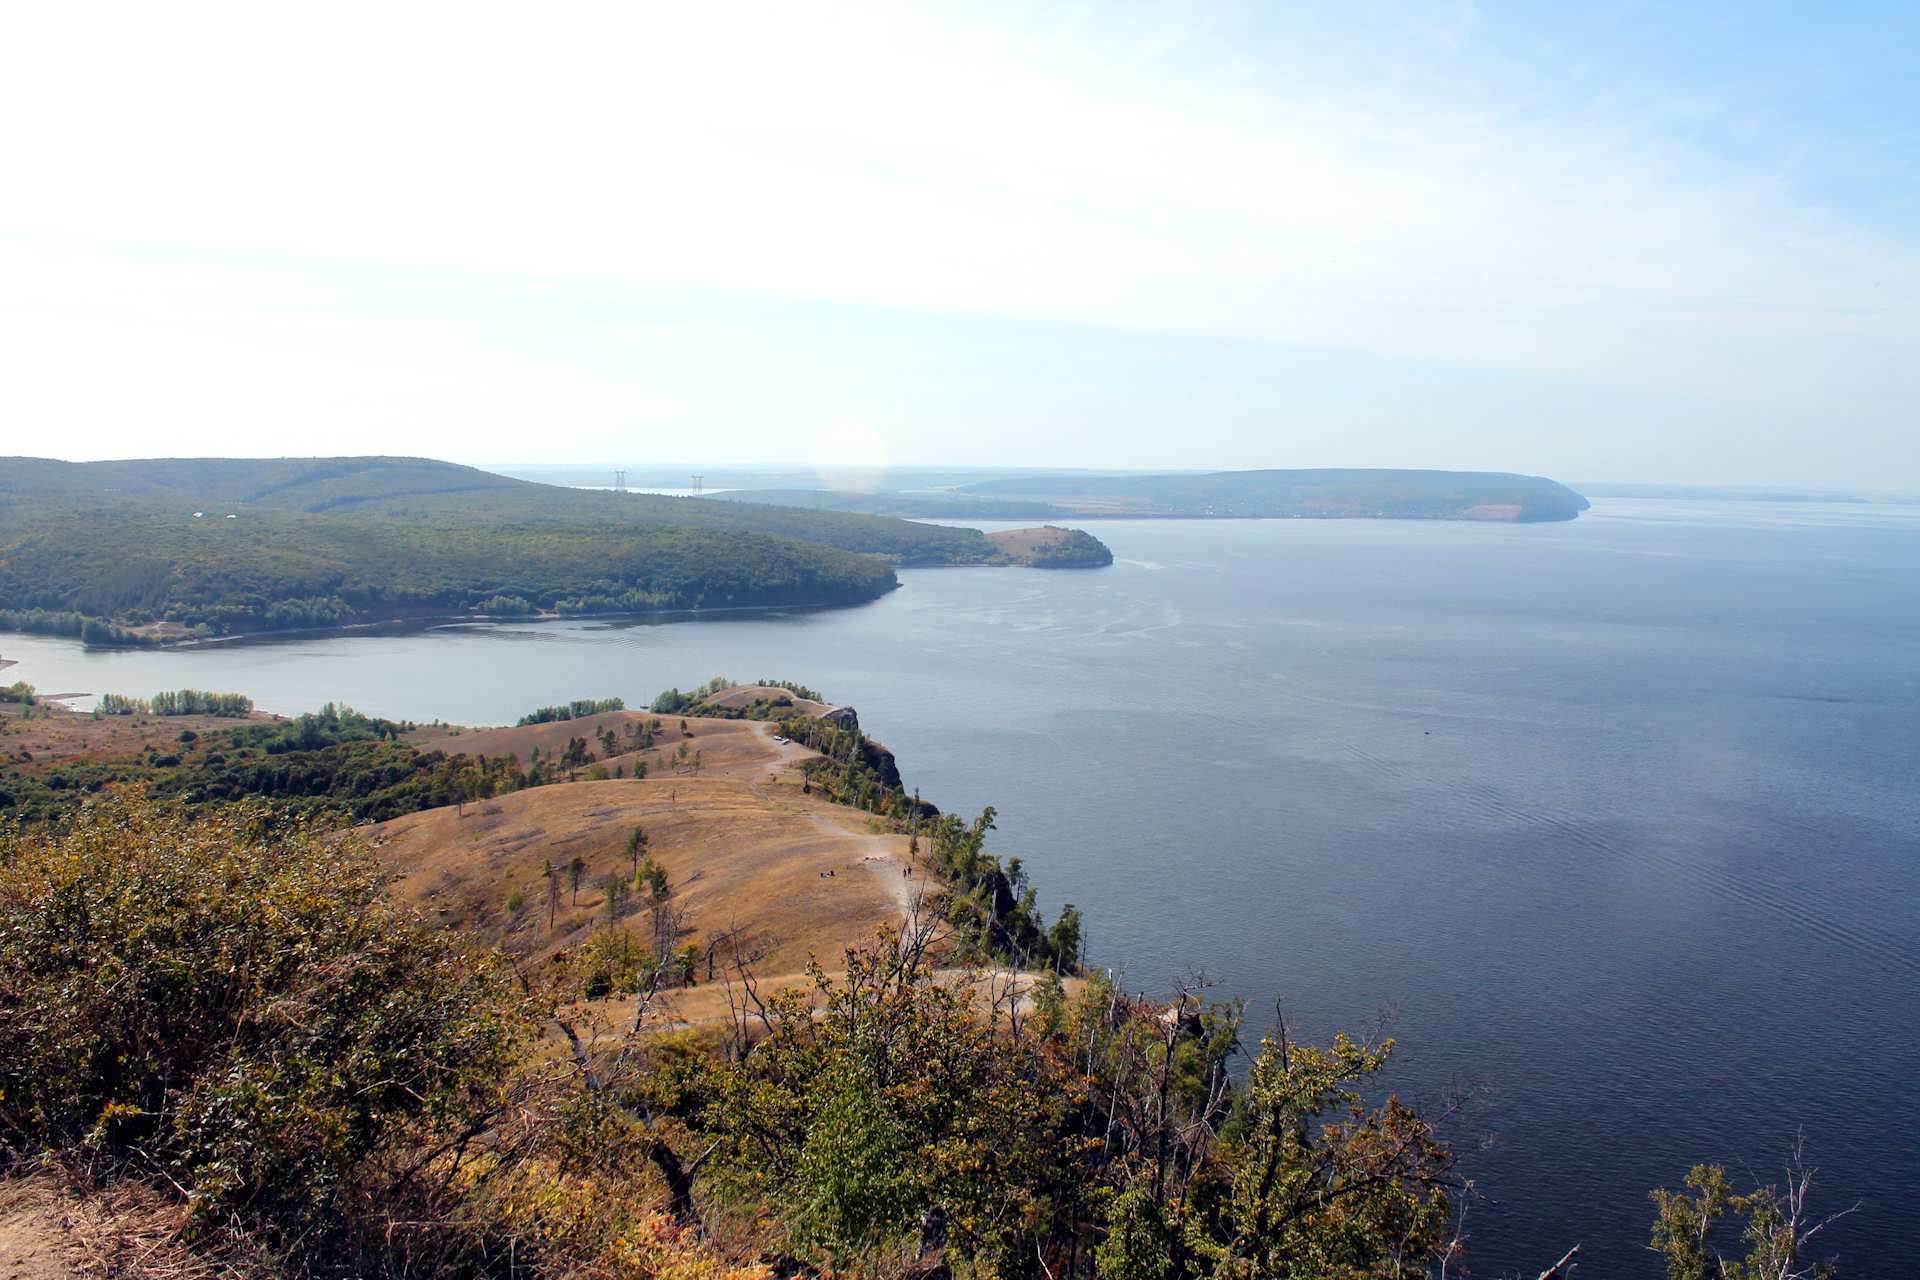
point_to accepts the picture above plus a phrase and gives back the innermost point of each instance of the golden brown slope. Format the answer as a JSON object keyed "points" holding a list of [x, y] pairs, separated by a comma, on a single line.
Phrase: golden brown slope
{"points": [[751, 860]]}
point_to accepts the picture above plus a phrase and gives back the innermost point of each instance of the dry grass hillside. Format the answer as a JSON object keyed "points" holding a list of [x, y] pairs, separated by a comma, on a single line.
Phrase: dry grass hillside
{"points": [[1025, 543], [745, 695], [763, 877], [49, 731], [757, 869]]}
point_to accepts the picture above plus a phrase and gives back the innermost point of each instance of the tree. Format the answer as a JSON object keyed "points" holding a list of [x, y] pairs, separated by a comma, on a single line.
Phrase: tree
{"points": [[1289, 1175], [896, 1098], [1063, 940], [576, 871], [1777, 1231], [616, 889], [636, 845], [651, 878]]}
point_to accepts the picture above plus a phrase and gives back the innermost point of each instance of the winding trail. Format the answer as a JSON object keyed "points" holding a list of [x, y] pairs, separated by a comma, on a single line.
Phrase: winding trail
{"points": [[878, 855]]}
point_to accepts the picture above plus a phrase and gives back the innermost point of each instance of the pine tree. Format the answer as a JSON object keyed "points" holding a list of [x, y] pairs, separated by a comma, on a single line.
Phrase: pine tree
{"points": [[636, 845]]}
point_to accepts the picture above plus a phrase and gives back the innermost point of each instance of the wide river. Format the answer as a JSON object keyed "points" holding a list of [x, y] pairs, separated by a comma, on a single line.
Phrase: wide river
{"points": [[1619, 816]]}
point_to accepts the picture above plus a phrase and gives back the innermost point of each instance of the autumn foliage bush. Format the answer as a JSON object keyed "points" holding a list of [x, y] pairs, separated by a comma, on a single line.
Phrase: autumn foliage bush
{"points": [[230, 1007]]}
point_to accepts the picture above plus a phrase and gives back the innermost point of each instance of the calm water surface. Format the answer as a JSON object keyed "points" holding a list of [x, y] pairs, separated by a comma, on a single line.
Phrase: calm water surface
{"points": [[1619, 815]]}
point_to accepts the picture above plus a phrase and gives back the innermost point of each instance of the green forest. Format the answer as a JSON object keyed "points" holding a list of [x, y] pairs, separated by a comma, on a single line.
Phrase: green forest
{"points": [[417, 491], [129, 562], [222, 546]]}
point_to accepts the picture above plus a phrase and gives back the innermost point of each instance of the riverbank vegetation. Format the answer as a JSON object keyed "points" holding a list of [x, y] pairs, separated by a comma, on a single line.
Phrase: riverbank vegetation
{"points": [[92, 631], [179, 702], [578, 709]]}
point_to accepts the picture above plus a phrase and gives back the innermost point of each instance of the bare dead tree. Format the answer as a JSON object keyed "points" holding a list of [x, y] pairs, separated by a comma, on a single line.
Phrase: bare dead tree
{"points": [[1562, 1268], [1786, 1246], [1457, 1245]]}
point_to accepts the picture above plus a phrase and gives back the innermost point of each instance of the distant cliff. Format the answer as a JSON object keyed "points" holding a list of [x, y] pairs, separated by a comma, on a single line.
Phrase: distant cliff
{"points": [[1327, 493]]}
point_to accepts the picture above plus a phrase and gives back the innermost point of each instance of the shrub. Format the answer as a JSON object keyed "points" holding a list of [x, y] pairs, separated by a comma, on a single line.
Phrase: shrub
{"points": [[238, 1008], [672, 702]]}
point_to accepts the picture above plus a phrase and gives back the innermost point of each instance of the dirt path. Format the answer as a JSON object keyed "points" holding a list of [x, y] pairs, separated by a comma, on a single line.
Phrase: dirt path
{"points": [[881, 859], [879, 853], [49, 1231], [34, 1244]]}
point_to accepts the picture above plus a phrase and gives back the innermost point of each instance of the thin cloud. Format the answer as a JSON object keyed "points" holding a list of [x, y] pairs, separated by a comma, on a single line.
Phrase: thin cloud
{"points": [[1409, 182]]}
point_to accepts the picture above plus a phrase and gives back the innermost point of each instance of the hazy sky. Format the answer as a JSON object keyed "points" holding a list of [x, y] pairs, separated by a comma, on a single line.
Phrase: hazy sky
{"points": [[1655, 242]]}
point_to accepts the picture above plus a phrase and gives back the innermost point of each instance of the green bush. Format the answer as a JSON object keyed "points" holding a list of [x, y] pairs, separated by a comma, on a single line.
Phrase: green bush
{"points": [[673, 702], [239, 1008]]}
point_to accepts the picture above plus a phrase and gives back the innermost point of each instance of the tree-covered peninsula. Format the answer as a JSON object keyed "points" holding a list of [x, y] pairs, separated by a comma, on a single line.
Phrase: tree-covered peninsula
{"points": [[422, 491], [129, 562], [112, 551]]}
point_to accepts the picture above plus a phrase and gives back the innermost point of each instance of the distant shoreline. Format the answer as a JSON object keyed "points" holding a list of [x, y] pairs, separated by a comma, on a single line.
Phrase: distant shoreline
{"points": [[1716, 493], [444, 618]]}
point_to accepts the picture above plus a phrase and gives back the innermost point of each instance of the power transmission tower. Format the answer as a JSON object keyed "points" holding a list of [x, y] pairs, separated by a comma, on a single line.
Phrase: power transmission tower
{"points": [[619, 482], [699, 486]]}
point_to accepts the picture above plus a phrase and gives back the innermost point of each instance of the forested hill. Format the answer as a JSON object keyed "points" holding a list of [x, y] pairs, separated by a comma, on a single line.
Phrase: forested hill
{"points": [[423, 491], [129, 561], [1330, 492]]}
